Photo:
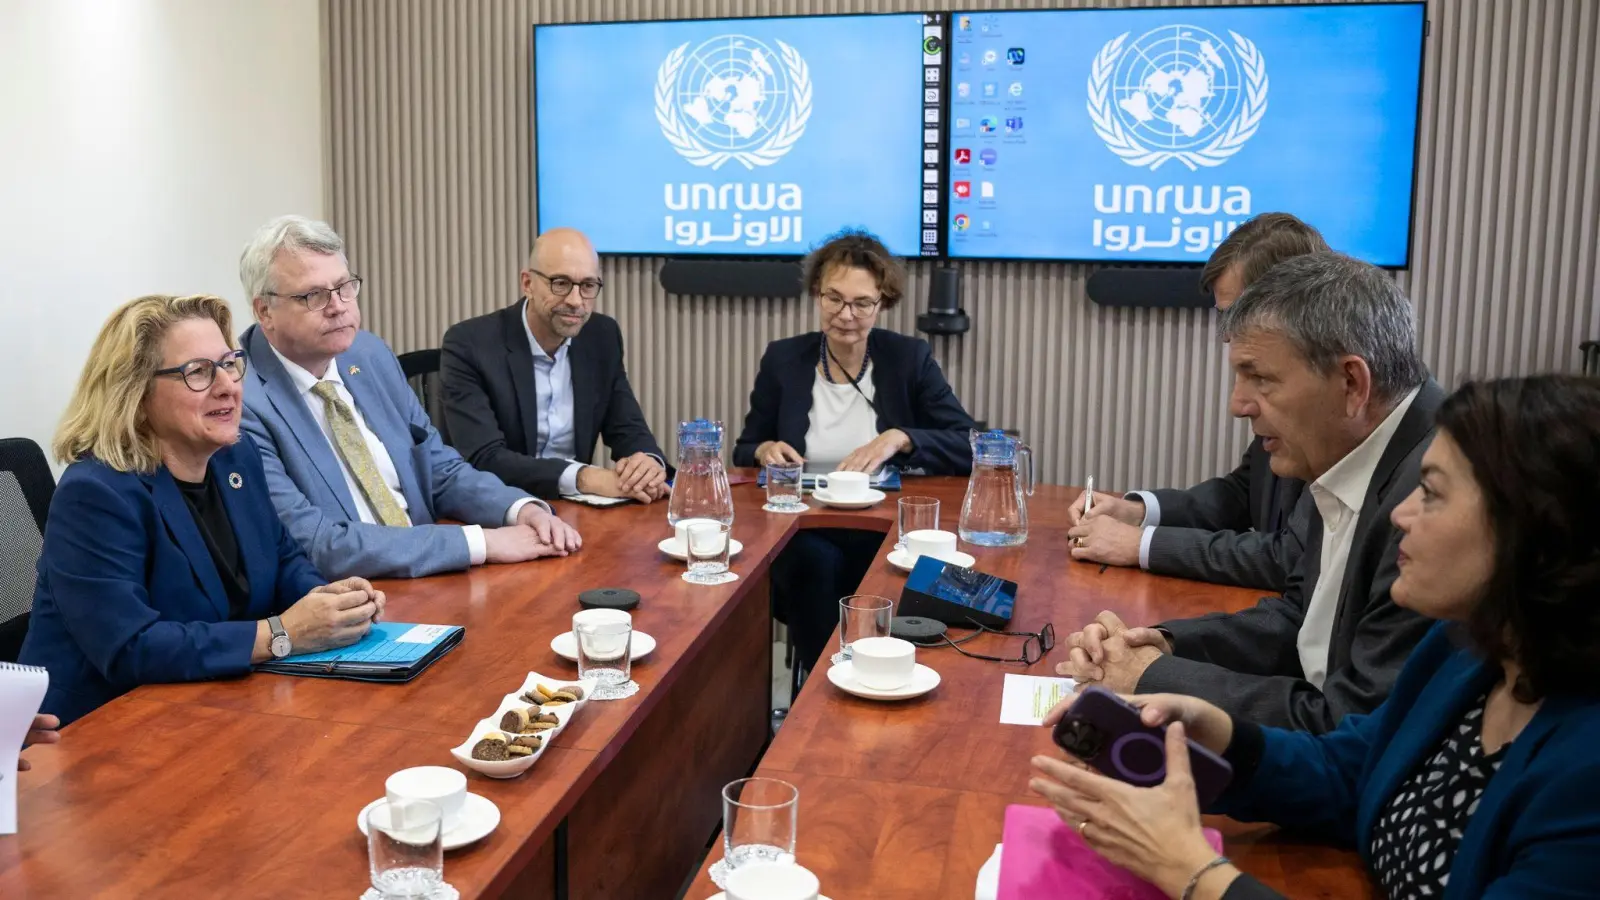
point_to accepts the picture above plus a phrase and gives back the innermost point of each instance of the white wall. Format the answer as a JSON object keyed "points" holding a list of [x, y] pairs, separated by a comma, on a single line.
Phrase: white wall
{"points": [[141, 142]]}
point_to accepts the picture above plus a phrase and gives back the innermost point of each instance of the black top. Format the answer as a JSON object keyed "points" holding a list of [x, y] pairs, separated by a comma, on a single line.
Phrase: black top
{"points": [[490, 400], [909, 393], [1414, 841], [211, 517]]}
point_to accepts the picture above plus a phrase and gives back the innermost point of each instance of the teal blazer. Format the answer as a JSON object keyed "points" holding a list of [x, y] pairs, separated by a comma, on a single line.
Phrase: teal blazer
{"points": [[1536, 833]]}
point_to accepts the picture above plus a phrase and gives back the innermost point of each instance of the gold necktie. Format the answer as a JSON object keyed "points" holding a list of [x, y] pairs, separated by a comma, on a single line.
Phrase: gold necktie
{"points": [[353, 450]]}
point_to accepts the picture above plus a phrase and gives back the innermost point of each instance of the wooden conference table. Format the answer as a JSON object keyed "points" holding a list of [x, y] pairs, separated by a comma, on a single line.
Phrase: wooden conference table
{"points": [[252, 787]]}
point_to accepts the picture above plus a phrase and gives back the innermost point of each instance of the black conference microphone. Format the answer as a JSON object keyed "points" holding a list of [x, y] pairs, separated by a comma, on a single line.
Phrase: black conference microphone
{"points": [[944, 315]]}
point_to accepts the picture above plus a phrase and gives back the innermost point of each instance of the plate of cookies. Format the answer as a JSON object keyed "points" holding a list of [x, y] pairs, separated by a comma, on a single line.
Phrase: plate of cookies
{"points": [[509, 742]]}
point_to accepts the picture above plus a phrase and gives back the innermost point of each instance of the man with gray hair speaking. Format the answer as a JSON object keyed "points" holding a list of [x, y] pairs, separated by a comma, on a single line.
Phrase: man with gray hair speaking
{"points": [[1323, 349], [355, 468]]}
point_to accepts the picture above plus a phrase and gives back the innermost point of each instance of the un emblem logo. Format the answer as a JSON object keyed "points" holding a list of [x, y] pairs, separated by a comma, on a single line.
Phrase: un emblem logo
{"points": [[1177, 92], [733, 97]]}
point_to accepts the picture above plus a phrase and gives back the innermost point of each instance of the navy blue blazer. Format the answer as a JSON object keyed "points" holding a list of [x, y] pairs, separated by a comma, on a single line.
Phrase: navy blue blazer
{"points": [[909, 391], [127, 592], [1536, 832]]}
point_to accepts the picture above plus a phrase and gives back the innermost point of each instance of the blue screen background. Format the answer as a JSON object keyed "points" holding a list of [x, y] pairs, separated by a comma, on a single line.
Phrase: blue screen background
{"points": [[603, 161], [1335, 146]]}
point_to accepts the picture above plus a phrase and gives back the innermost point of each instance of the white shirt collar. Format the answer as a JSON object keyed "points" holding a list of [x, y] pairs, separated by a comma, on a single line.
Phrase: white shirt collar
{"points": [[1349, 478], [533, 343], [303, 380]]}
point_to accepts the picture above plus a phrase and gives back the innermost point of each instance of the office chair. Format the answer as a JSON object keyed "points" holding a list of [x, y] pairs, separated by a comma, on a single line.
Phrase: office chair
{"points": [[26, 485], [421, 368]]}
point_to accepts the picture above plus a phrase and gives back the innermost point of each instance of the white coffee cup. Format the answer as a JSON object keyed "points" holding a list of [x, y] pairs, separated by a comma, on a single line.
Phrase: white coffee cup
{"points": [[772, 881], [940, 545], [883, 663], [439, 785], [680, 531], [605, 646], [848, 485]]}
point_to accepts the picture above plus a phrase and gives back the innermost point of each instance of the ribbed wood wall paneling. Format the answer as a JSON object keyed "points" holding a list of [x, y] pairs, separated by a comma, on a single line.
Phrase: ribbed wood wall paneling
{"points": [[431, 182]]}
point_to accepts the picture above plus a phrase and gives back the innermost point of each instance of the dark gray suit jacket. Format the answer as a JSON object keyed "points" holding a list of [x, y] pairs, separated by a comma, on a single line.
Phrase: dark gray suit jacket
{"points": [[1243, 528], [491, 405], [1248, 663]]}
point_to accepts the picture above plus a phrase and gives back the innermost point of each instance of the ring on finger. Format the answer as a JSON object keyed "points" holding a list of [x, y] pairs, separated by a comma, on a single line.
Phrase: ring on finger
{"points": [[1083, 831]]}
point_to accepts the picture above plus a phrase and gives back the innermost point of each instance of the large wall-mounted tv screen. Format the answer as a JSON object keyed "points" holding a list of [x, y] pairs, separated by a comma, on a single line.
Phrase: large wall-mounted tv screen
{"points": [[732, 137], [1147, 135]]}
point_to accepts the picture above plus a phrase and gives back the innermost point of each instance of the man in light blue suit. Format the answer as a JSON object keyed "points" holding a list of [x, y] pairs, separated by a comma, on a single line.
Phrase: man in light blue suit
{"points": [[356, 470]]}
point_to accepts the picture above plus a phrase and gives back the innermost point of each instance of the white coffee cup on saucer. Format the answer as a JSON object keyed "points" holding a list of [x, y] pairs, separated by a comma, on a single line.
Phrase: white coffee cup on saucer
{"points": [[883, 663], [848, 486], [440, 785], [680, 531], [605, 646], [772, 881], [940, 545]]}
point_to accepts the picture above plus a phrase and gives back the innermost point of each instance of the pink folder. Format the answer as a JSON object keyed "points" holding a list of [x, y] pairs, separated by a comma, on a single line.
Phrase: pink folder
{"points": [[1043, 858]]}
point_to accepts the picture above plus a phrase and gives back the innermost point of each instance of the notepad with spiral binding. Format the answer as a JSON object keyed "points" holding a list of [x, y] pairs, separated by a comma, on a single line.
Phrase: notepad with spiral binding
{"points": [[21, 691], [391, 651]]}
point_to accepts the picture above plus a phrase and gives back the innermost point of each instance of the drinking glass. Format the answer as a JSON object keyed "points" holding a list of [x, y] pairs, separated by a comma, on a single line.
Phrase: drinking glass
{"points": [[759, 816], [917, 514], [405, 848], [708, 552], [783, 486], [605, 653], [862, 616]]}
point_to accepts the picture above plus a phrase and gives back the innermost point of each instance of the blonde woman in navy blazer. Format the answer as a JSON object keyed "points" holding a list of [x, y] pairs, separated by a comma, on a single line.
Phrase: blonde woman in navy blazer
{"points": [[163, 558], [1479, 776]]}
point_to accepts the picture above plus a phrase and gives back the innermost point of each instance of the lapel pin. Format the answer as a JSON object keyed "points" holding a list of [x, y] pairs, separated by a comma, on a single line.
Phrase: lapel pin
{"points": [[355, 370], [234, 481]]}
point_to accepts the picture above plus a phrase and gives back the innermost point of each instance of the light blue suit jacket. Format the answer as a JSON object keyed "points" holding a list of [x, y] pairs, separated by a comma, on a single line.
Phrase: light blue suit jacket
{"points": [[308, 485]]}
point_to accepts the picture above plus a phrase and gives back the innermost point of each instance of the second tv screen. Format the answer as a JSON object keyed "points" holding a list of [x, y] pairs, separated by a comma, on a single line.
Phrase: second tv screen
{"points": [[1146, 135]]}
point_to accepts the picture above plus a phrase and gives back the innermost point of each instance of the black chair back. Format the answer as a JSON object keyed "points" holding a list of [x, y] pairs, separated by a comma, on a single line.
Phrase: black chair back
{"points": [[26, 486], [422, 372], [1591, 357]]}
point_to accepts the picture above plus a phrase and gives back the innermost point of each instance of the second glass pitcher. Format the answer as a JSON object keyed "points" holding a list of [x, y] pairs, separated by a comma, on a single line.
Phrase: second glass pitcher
{"points": [[700, 489], [995, 512]]}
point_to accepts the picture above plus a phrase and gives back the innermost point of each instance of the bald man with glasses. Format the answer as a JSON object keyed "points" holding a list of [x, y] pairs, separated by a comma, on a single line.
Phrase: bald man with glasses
{"points": [[530, 388]]}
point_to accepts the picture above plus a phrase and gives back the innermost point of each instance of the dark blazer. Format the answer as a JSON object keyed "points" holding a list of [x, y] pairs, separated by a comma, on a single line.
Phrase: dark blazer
{"points": [[128, 594], [490, 401], [1248, 662], [1536, 832], [1235, 529], [909, 391]]}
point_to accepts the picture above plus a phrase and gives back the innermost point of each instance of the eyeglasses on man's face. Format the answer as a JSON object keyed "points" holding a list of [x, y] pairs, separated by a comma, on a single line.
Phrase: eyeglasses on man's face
{"points": [[198, 374], [562, 285], [318, 300], [834, 303]]}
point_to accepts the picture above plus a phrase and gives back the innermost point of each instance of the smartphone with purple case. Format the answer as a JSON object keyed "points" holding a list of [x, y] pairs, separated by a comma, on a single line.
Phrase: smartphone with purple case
{"points": [[1104, 731]]}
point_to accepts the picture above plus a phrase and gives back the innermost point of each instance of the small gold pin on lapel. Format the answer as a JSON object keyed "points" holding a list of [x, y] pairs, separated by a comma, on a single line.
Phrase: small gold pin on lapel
{"points": [[355, 370], [234, 481]]}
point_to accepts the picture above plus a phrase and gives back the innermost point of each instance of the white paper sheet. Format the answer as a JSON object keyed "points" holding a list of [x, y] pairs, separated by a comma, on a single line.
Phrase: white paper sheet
{"points": [[1028, 697], [21, 691], [596, 499], [423, 634]]}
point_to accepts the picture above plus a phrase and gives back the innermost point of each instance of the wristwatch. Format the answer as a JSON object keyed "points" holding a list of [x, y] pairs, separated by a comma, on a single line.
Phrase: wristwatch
{"points": [[280, 644]]}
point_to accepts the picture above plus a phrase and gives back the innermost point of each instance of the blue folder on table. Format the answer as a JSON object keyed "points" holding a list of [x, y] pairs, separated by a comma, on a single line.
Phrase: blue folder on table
{"points": [[391, 651]]}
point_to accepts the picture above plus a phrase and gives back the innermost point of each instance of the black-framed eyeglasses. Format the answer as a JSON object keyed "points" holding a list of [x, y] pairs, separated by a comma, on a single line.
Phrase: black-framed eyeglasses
{"points": [[834, 304], [198, 374], [1034, 646], [318, 300], [561, 285]]}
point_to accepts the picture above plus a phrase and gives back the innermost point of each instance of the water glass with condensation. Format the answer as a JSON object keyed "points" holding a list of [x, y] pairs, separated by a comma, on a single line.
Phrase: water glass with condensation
{"points": [[783, 486], [862, 616], [405, 848], [759, 816], [708, 552], [917, 514]]}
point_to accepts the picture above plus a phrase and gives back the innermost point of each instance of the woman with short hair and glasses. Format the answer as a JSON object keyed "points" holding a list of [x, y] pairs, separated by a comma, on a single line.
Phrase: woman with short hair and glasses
{"points": [[1478, 777], [851, 397], [164, 559]]}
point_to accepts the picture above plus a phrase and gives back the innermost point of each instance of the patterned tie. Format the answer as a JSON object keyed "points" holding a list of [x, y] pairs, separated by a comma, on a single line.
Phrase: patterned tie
{"points": [[353, 450]]}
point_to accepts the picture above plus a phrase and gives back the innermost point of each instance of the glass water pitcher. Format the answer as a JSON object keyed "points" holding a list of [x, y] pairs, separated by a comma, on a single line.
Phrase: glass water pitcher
{"points": [[700, 489], [995, 513]]}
